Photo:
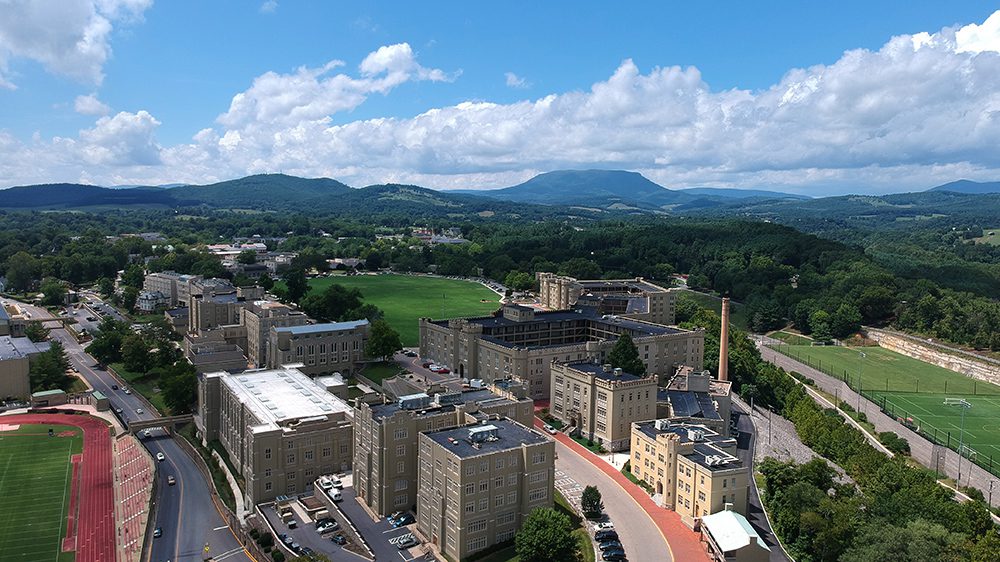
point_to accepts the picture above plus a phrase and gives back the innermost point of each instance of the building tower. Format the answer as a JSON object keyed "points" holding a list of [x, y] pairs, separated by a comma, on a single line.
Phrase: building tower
{"points": [[724, 342]]}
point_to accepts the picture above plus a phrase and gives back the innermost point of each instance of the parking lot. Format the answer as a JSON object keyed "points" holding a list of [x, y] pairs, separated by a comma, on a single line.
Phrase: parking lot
{"points": [[304, 534], [381, 536]]}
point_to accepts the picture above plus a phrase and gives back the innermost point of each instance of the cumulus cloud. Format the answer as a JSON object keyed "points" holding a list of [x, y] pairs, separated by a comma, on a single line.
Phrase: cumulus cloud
{"points": [[90, 105], [515, 81], [922, 109], [269, 6], [69, 37]]}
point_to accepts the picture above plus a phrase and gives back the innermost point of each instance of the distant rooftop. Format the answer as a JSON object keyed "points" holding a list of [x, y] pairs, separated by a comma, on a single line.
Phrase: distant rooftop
{"points": [[598, 371], [687, 403], [682, 430], [481, 396], [508, 435], [619, 285], [731, 531], [18, 348], [320, 328], [278, 396]]}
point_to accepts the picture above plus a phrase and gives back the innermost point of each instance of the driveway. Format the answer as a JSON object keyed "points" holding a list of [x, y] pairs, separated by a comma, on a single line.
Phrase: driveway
{"points": [[380, 535], [305, 535]]}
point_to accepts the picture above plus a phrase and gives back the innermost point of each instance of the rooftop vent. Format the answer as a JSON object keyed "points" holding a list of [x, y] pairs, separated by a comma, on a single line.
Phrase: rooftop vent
{"points": [[481, 434], [696, 435], [606, 367], [661, 425], [618, 371]]}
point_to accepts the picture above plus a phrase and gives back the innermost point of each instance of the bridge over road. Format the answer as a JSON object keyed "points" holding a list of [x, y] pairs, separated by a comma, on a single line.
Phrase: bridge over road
{"points": [[166, 421]]}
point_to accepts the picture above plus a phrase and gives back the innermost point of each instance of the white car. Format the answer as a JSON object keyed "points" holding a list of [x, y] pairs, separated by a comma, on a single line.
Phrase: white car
{"points": [[325, 484], [139, 411], [336, 495], [606, 525], [147, 433], [161, 457], [337, 483], [551, 430]]}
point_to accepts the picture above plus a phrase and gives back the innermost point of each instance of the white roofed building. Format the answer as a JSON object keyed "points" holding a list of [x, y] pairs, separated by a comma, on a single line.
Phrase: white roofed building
{"points": [[731, 538]]}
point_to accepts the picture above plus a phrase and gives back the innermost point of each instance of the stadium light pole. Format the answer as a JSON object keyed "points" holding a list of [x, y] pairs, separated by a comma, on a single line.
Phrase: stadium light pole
{"points": [[965, 405], [861, 367]]}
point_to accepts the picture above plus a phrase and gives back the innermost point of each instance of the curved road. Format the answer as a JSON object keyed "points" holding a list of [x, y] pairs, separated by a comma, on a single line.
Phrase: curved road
{"points": [[185, 512]]}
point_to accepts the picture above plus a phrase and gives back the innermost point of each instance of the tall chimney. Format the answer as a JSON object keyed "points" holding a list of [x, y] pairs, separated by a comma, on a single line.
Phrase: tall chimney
{"points": [[724, 342]]}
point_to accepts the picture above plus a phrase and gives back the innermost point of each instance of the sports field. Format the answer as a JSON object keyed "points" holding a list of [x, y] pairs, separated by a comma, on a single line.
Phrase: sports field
{"points": [[35, 475], [407, 298], [887, 371]]}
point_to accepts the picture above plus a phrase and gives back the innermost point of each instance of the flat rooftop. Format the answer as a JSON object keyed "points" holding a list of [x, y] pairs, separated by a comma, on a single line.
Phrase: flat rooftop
{"points": [[509, 435], [19, 348], [688, 403], [321, 328], [681, 431], [620, 285], [278, 396], [713, 458], [481, 396], [598, 371]]}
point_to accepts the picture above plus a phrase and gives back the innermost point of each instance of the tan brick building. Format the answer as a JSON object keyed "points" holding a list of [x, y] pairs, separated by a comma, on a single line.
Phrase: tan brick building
{"points": [[259, 317], [385, 438], [477, 483], [280, 429], [637, 298], [695, 397], [321, 348], [521, 343], [600, 402], [694, 469], [15, 362]]}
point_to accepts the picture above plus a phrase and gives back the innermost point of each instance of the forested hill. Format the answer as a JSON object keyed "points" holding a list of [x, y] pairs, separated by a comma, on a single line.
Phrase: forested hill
{"points": [[967, 186]]}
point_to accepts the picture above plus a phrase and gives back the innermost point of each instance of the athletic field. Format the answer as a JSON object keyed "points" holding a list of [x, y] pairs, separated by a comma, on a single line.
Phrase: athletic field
{"points": [[407, 298], [35, 475]]}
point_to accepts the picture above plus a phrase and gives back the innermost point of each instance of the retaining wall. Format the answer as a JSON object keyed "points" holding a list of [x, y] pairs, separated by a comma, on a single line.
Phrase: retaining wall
{"points": [[912, 347]]}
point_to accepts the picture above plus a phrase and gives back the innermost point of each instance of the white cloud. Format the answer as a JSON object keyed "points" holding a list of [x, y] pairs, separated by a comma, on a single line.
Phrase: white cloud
{"points": [[269, 6], [515, 81], [90, 105], [68, 37], [922, 109]]}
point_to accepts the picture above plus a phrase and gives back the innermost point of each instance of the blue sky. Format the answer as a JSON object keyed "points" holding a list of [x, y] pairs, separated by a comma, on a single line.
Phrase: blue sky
{"points": [[474, 95]]}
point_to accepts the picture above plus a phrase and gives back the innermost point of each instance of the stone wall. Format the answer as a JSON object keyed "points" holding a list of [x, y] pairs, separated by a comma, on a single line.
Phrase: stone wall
{"points": [[980, 369]]}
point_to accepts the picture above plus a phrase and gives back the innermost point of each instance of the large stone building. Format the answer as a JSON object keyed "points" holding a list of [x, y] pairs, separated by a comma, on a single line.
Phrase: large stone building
{"points": [[693, 469], [15, 361], [477, 483], [321, 348], [631, 298], [385, 437], [600, 402], [176, 287], [695, 397], [520, 342], [259, 317], [280, 429], [218, 304]]}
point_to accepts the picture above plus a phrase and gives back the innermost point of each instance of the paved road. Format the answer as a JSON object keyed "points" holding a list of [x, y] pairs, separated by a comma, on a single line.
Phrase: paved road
{"points": [[377, 533], [185, 511], [639, 535]]}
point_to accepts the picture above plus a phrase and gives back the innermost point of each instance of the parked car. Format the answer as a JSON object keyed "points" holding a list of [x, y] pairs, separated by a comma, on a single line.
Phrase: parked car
{"points": [[336, 482], [610, 545], [403, 520], [292, 523], [287, 539], [326, 484], [339, 539], [296, 547], [306, 551], [161, 457], [407, 542], [551, 430], [336, 496], [157, 532], [128, 391], [327, 526], [426, 364], [613, 555], [604, 525], [410, 353], [394, 516], [139, 411], [171, 480], [605, 535], [114, 387]]}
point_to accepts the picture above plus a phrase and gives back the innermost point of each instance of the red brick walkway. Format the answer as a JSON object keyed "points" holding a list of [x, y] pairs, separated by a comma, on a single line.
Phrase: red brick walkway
{"points": [[685, 544]]}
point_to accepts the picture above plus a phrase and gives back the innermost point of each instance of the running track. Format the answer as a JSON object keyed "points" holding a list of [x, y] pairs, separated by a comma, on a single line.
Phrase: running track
{"points": [[95, 535]]}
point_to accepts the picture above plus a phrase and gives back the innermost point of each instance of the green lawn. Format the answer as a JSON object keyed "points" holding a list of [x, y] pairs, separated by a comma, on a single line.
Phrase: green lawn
{"points": [[378, 372], [144, 385], [990, 236], [887, 371], [790, 338], [35, 484], [737, 313], [407, 298], [944, 422]]}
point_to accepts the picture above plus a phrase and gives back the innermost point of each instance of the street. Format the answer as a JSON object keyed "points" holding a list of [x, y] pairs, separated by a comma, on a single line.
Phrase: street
{"points": [[185, 512]]}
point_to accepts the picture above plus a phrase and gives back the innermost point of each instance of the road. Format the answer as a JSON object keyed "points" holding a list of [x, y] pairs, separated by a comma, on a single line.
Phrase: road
{"points": [[185, 512], [639, 535], [745, 439]]}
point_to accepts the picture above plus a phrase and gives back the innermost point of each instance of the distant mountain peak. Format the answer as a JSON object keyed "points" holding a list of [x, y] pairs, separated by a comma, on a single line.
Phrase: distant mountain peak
{"points": [[969, 186]]}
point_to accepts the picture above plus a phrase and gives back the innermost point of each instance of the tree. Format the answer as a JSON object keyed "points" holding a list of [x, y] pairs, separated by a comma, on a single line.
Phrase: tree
{"points": [[54, 291], [179, 383], [133, 276], [107, 344], [546, 536], [22, 271], [749, 392], [988, 548], [265, 281], [519, 281], [247, 257], [819, 323], [625, 356], [335, 303], [135, 354], [36, 332], [106, 286], [47, 371], [296, 284], [129, 297], [591, 503], [845, 320], [383, 341], [663, 271]]}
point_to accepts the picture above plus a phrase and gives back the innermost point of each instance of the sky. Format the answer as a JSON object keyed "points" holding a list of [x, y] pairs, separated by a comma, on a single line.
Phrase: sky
{"points": [[807, 97]]}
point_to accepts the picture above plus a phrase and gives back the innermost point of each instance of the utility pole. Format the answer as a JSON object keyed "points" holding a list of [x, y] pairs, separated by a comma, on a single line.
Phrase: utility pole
{"points": [[861, 366], [989, 502]]}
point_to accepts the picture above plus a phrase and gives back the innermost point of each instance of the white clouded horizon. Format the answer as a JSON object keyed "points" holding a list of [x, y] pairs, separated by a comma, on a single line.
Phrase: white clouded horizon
{"points": [[921, 110]]}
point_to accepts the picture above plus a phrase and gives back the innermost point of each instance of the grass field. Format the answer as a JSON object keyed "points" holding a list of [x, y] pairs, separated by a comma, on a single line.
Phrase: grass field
{"points": [[887, 371], [737, 315], [944, 422], [990, 236], [35, 472], [790, 338], [407, 298]]}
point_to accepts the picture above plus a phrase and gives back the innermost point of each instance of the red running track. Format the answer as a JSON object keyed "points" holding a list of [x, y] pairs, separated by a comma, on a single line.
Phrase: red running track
{"points": [[95, 538]]}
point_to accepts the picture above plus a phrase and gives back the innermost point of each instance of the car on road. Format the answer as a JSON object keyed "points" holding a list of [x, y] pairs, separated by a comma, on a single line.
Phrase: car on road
{"points": [[604, 525], [616, 555], [551, 430], [410, 353], [404, 520], [139, 411], [339, 539], [161, 457], [610, 545], [118, 411], [171, 480], [128, 391], [147, 433], [407, 542], [114, 387], [157, 532], [605, 535]]}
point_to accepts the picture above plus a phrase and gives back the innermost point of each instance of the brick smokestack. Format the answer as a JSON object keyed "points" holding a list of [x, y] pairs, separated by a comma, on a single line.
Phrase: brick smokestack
{"points": [[724, 342]]}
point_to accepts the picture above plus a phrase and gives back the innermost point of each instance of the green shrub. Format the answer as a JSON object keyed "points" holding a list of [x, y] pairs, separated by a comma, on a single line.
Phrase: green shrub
{"points": [[278, 556]]}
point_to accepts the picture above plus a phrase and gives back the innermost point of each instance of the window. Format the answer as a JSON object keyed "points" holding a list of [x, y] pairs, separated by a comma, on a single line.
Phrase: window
{"points": [[470, 507], [291, 458], [267, 453], [539, 494], [344, 449], [500, 462], [400, 467], [498, 482], [504, 536], [484, 485], [309, 474], [267, 486], [498, 501], [484, 504], [724, 482], [536, 477], [298, 351], [308, 455], [538, 457], [326, 452], [402, 484], [477, 526], [470, 489], [267, 473], [511, 498], [505, 519], [400, 450], [477, 543], [469, 470], [291, 476], [512, 479], [399, 433], [400, 500], [290, 445], [322, 348], [484, 466]]}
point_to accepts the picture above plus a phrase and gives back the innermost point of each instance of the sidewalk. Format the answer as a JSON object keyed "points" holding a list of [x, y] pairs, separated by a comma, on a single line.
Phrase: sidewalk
{"points": [[685, 544]]}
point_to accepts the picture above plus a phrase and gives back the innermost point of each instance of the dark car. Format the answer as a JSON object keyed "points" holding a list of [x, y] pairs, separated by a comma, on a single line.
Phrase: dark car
{"points": [[605, 535], [339, 539], [425, 364], [403, 520], [157, 533], [613, 555], [394, 515], [114, 387], [306, 551], [610, 545]]}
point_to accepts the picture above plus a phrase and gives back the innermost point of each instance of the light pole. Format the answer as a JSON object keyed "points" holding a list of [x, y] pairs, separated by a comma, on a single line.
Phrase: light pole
{"points": [[965, 405], [861, 366], [990, 501]]}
